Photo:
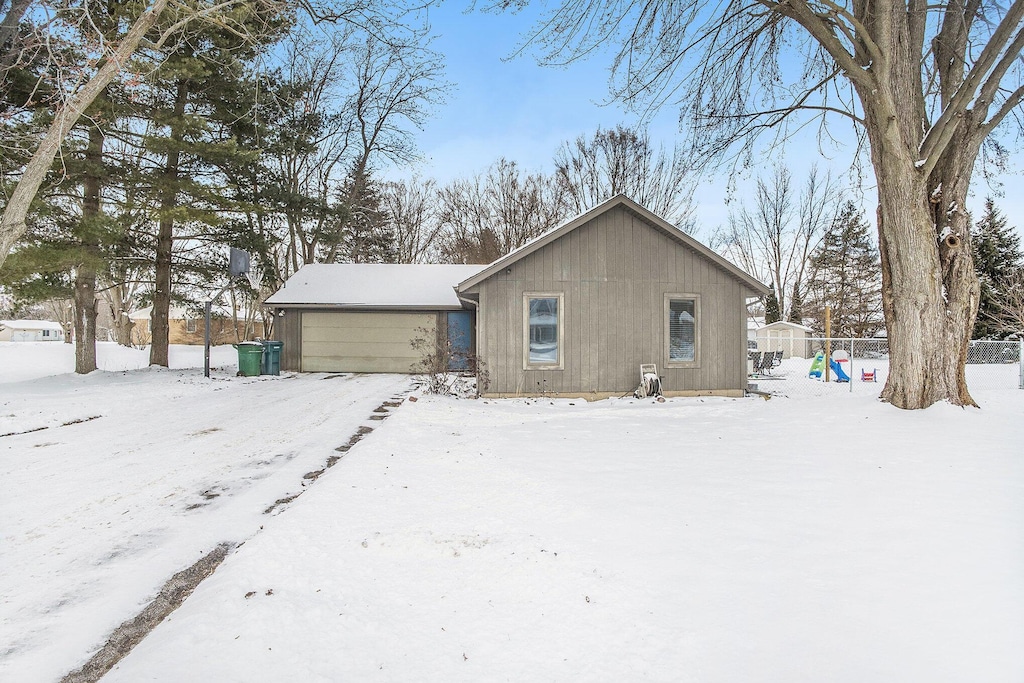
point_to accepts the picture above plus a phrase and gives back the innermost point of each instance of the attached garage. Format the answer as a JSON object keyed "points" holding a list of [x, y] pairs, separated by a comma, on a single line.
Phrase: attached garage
{"points": [[352, 341], [365, 317]]}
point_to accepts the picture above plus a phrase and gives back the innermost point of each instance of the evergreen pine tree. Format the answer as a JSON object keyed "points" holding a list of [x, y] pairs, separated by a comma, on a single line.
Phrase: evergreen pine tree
{"points": [[997, 256], [796, 304], [772, 314], [367, 237], [847, 277], [187, 185]]}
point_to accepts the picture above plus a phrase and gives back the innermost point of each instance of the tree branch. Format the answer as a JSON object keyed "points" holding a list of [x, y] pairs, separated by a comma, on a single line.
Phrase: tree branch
{"points": [[800, 12], [941, 132]]}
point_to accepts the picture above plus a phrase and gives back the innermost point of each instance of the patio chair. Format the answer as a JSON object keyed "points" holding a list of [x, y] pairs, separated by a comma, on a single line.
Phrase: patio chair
{"points": [[755, 358], [772, 359]]}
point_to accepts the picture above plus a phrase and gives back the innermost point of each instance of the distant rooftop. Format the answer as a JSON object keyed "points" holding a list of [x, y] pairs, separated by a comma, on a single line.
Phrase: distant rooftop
{"points": [[31, 325]]}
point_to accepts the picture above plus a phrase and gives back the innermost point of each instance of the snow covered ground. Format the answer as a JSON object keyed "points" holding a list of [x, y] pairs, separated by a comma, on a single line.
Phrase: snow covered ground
{"points": [[112, 482], [818, 539]]}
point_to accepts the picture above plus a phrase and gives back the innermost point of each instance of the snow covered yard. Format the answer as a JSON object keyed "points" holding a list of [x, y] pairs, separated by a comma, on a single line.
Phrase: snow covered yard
{"points": [[694, 540], [112, 482]]}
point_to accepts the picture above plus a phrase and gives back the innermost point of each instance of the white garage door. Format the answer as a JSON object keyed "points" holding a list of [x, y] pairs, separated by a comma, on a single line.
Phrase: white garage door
{"points": [[363, 342]]}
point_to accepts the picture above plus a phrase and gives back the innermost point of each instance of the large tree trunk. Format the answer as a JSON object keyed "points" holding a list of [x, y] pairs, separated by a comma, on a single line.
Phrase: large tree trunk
{"points": [[118, 304], [929, 287], [85, 273], [85, 319], [160, 326], [928, 319]]}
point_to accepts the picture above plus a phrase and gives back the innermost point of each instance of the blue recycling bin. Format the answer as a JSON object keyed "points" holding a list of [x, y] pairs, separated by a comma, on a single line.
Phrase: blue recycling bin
{"points": [[271, 358]]}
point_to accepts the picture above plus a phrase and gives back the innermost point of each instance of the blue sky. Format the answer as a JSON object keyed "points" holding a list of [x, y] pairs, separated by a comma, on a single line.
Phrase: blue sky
{"points": [[517, 109]]}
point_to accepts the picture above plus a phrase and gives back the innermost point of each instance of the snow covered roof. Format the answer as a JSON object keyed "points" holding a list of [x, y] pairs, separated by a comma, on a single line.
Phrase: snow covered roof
{"points": [[175, 313], [784, 323], [182, 313], [31, 325], [374, 285]]}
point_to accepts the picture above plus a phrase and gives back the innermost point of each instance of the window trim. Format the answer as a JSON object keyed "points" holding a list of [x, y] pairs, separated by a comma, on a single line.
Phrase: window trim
{"points": [[677, 296], [527, 365], [191, 322]]}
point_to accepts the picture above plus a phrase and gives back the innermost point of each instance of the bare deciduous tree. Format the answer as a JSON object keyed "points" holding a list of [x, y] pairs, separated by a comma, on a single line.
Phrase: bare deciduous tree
{"points": [[1008, 310], [348, 102], [410, 209], [616, 161], [773, 240], [487, 216], [926, 85]]}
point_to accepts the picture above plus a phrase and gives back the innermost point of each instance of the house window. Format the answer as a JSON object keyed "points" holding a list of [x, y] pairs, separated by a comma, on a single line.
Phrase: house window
{"points": [[682, 313], [190, 325], [543, 331]]}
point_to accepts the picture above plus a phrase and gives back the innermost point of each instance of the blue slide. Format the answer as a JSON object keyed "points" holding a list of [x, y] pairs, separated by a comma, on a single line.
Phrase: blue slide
{"points": [[838, 370]]}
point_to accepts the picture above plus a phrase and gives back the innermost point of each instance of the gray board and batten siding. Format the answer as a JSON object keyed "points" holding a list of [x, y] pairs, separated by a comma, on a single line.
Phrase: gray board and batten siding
{"points": [[614, 270]]}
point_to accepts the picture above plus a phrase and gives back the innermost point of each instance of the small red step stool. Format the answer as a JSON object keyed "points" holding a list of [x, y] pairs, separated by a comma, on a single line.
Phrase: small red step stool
{"points": [[868, 375]]}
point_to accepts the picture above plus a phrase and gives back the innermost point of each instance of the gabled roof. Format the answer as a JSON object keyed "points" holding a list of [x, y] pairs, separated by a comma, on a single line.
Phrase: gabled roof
{"points": [[373, 285], [631, 206], [786, 323], [31, 325], [182, 313]]}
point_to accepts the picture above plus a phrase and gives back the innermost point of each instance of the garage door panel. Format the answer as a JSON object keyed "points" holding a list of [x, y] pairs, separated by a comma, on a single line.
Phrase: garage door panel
{"points": [[357, 335], [371, 320], [357, 364], [362, 349], [363, 341]]}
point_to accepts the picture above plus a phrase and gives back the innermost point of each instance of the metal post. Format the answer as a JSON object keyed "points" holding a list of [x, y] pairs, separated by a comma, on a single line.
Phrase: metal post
{"points": [[828, 344], [206, 332], [206, 340], [1020, 359], [851, 365]]}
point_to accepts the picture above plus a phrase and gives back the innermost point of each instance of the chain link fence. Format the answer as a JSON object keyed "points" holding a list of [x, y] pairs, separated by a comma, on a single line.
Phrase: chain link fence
{"points": [[788, 366]]}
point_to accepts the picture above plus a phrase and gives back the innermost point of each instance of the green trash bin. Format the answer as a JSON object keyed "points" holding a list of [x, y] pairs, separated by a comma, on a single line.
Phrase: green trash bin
{"points": [[271, 358], [250, 354]]}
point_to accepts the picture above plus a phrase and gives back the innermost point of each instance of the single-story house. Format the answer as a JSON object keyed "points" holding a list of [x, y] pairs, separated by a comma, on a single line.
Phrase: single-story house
{"points": [[574, 312], [790, 338], [31, 330], [189, 327]]}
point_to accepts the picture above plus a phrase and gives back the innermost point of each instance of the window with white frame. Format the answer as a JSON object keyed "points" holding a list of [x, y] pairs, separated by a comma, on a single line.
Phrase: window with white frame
{"points": [[543, 330], [681, 329], [190, 325]]}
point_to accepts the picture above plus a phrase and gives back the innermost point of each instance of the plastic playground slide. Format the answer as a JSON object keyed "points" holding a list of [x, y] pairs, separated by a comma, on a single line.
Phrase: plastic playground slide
{"points": [[818, 367], [841, 375]]}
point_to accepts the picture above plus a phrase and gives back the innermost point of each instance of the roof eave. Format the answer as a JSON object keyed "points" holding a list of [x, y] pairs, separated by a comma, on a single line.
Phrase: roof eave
{"points": [[364, 307]]}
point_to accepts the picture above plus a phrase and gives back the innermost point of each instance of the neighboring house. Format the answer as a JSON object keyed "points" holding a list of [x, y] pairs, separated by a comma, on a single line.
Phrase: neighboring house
{"points": [[360, 317], [186, 327], [574, 312], [30, 330], [790, 338]]}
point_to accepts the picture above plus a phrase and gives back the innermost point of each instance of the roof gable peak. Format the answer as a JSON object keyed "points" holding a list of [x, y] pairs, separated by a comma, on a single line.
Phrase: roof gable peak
{"points": [[619, 200]]}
